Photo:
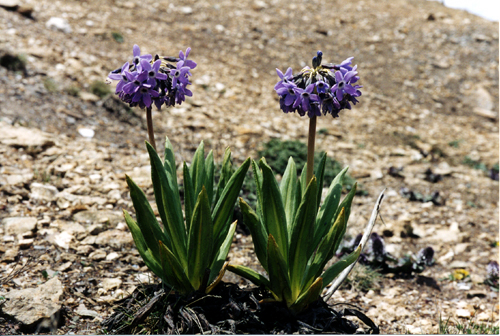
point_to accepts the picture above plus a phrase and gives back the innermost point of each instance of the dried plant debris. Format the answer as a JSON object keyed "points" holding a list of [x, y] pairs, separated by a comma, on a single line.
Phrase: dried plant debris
{"points": [[226, 310], [376, 256]]}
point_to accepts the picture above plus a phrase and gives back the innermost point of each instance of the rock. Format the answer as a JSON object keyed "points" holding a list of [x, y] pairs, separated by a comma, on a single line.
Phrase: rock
{"points": [[84, 249], [19, 225], [86, 132], [25, 137], [25, 243], [112, 256], [97, 255], [489, 114], [44, 192], [114, 238], [93, 217], [89, 97], [25, 10], [95, 229], [111, 283], [60, 24], [459, 264], [9, 4], [259, 5], [87, 313], [65, 266], [61, 239], [484, 316], [31, 305], [186, 10], [16, 179], [11, 254], [463, 313]]}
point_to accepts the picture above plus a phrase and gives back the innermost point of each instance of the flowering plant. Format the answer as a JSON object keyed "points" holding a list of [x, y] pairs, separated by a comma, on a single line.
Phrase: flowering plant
{"points": [[187, 255], [147, 80], [294, 237]]}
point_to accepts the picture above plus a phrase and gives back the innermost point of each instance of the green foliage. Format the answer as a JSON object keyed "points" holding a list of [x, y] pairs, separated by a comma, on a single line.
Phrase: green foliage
{"points": [[475, 164], [117, 37], [467, 328], [187, 255], [99, 88], [50, 85], [455, 143], [363, 278], [72, 91], [293, 237], [14, 62]]}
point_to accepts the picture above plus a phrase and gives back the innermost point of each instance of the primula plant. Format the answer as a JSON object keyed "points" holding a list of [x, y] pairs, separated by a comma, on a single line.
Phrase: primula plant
{"points": [[146, 81], [188, 255], [295, 237]]}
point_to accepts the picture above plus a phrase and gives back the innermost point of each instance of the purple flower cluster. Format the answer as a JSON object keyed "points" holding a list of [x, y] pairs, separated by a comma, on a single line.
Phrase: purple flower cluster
{"points": [[146, 80], [324, 88]]}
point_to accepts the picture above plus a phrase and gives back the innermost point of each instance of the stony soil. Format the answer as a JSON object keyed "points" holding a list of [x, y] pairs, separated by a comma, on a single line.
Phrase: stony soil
{"points": [[430, 101]]}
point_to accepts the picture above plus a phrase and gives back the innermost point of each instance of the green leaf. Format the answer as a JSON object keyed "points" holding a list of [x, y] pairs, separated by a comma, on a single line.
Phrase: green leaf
{"points": [[258, 232], [169, 163], [189, 196], [325, 251], [274, 217], [249, 274], [329, 208], [209, 181], [346, 203], [221, 253], [331, 273], [151, 261], [146, 219], [171, 204], [309, 296], [278, 272], [197, 168], [225, 174], [303, 181], [257, 174], [302, 233], [320, 174], [200, 240], [176, 272], [288, 189], [225, 206]]}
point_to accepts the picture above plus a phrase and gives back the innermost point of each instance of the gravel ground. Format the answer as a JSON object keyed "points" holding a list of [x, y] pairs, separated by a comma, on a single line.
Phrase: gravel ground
{"points": [[430, 101]]}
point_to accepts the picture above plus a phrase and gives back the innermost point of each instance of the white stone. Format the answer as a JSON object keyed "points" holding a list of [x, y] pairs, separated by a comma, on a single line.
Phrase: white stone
{"points": [[463, 313], [44, 192], [19, 225], [60, 24], [111, 283], [86, 132]]}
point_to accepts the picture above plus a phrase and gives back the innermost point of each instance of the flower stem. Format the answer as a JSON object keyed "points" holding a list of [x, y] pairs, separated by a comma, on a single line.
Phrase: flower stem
{"points": [[310, 148], [151, 133]]}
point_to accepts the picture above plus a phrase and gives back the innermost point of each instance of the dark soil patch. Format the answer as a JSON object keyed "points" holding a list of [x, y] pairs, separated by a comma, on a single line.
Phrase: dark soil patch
{"points": [[228, 309]]}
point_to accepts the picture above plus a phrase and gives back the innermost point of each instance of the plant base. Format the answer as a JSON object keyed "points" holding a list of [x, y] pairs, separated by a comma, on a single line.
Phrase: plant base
{"points": [[226, 310]]}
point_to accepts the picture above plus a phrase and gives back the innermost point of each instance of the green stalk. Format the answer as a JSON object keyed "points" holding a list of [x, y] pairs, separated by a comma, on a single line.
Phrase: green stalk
{"points": [[310, 148], [151, 133]]}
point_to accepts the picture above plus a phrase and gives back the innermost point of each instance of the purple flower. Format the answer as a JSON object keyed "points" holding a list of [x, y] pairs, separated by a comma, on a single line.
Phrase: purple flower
{"points": [[143, 95], [146, 80], [285, 78], [152, 71], [305, 97], [322, 87], [121, 77], [492, 269], [425, 255], [180, 74], [343, 85], [138, 57], [327, 88], [288, 93], [185, 62], [135, 82]]}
